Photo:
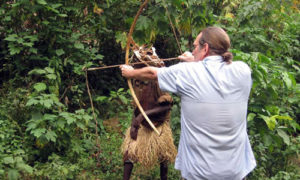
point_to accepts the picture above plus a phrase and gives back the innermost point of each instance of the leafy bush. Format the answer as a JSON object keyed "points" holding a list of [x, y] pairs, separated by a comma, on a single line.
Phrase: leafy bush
{"points": [[46, 126]]}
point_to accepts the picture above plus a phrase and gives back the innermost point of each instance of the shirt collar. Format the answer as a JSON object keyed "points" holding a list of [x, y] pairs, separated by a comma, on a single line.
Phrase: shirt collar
{"points": [[214, 58]]}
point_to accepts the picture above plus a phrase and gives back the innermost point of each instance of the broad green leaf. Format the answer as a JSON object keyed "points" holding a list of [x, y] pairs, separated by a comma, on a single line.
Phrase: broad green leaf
{"points": [[50, 135], [38, 132], [250, 116], [272, 109], [14, 50], [51, 76], [267, 139], [12, 37], [87, 117], [25, 167], [263, 69], [123, 99], [35, 116], [28, 44], [31, 126], [284, 136], [50, 117], [56, 5], [42, 2], [270, 121], [288, 80], [45, 22], [7, 18], [31, 38], [8, 160], [68, 116], [79, 45], [40, 87], [47, 103], [61, 123], [80, 125], [99, 56], [283, 117], [63, 15], [101, 98], [60, 52], [143, 23], [37, 71], [49, 70], [31, 102], [121, 37], [120, 90]]}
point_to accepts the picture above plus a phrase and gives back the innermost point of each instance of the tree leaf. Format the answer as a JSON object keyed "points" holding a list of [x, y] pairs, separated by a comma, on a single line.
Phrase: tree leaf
{"points": [[51, 135], [40, 87], [59, 52], [63, 15], [38, 132], [284, 136], [51, 76], [12, 37], [8, 160], [270, 121], [250, 116], [31, 126], [288, 80], [37, 71], [121, 37], [48, 103], [79, 45], [14, 50], [42, 2], [143, 23], [25, 167], [32, 101]]}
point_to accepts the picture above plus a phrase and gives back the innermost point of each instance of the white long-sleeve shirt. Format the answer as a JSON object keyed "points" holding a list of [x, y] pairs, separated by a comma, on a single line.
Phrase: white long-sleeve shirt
{"points": [[214, 144]]}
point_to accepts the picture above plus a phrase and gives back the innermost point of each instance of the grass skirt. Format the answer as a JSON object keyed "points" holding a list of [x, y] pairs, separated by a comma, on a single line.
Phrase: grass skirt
{"points": [[150, 149]]}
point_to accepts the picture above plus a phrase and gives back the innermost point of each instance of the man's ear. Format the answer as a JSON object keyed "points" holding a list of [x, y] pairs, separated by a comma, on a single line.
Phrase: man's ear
{"points": [[206, 49]]}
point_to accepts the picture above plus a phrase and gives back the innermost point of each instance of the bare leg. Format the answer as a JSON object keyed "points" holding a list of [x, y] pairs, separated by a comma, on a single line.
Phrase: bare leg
{"points": [[164, 170], [128, 166]]}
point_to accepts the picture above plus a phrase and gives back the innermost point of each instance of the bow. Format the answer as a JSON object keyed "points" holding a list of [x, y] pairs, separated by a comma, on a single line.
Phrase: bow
{"points": [[129, 42]]}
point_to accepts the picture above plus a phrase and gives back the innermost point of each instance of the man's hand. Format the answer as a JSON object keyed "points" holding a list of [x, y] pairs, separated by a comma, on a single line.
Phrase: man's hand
{"points": [[126, 70], [145, 73], [187, 57]]}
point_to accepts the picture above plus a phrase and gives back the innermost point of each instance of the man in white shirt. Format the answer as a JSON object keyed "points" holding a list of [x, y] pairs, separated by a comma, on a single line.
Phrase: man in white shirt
{"points": [[214, 95]]}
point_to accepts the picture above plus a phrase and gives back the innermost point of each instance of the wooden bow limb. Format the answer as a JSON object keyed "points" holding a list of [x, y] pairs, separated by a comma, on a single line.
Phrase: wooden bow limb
{"points": [[118, 65], [129, 37]]}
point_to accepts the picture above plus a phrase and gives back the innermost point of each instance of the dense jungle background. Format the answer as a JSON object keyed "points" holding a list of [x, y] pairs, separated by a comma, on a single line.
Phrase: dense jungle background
{"points": [[47, 128]]}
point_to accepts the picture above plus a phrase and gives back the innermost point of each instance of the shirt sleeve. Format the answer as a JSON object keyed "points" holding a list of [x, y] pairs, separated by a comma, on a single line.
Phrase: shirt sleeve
{"points": [[167, 78]]}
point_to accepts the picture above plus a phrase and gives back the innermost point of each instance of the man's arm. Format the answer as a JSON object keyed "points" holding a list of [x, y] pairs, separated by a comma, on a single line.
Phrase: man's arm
{"points": [[146, 73]]}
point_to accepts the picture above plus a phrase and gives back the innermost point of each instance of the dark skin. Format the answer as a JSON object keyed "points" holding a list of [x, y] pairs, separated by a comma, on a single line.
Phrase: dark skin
{"points": [[151, 114], [157, 106]]}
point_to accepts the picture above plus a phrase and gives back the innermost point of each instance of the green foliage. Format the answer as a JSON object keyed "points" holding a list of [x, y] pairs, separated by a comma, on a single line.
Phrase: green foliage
{"points": [[273, 101], [46, 126]]}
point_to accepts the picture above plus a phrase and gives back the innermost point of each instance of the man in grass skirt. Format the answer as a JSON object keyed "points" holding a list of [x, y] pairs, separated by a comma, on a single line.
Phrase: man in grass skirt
{"points": [[142, 144]]}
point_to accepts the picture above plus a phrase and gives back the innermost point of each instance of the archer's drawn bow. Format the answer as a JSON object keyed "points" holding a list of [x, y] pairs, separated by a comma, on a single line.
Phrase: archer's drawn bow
{"points": [[129, 41]]}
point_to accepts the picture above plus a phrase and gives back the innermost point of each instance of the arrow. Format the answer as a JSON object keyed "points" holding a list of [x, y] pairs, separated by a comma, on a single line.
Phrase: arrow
{"points": [[118, 65]]}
